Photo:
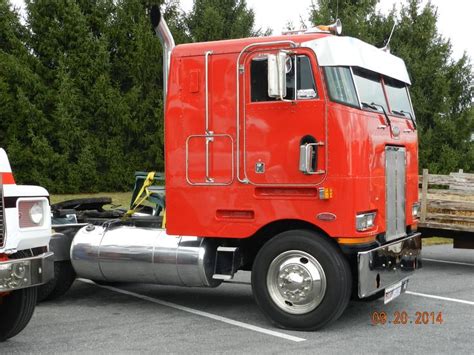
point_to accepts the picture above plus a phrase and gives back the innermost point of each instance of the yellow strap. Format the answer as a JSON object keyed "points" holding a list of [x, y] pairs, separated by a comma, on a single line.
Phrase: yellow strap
{"points": [[163, 223], [139, 199]]}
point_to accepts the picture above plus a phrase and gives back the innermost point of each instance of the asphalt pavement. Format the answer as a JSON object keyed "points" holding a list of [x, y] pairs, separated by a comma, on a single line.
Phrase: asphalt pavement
{"points": [[160, 319]]}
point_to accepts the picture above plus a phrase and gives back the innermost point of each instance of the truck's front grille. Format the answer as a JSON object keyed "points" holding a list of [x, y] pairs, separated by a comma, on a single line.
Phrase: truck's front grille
{"points": [[2, 219], [395, 180]]}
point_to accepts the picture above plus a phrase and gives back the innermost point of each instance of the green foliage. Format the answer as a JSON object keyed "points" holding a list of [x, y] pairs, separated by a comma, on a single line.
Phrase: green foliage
{"points": [[441, 91], [81, 86], [212, 20]]}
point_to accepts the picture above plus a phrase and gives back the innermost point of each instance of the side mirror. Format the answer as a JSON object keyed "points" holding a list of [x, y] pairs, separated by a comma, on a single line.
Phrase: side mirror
{"points": [[277, 75]]}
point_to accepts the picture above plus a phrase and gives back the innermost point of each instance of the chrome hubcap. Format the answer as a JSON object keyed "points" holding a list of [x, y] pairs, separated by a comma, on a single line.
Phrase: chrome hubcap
{"points": [[296, 282]]}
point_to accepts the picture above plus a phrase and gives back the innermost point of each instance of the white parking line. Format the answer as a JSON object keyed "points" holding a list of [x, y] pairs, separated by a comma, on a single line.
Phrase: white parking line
{"points": [[197, 312], [447, 262], [440, 298], [237, 282]]}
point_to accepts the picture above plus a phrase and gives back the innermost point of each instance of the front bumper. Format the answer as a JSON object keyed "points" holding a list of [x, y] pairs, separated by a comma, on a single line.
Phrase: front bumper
{"points": [[387, 265], [26, 272]]}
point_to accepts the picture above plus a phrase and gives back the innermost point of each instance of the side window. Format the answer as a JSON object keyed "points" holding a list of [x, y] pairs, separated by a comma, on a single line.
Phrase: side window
{"points": [[259, 81], [369, 87], [303, 80], [340, 85], [306, 88]]}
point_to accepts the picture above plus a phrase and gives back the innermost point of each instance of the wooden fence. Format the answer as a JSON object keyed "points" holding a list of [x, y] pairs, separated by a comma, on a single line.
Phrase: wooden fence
{"points": [[447, 205]]}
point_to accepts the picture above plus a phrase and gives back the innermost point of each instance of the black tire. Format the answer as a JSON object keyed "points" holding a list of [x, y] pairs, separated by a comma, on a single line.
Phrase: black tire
{"points": [[16, 310], [331, 261], [64, 276]]}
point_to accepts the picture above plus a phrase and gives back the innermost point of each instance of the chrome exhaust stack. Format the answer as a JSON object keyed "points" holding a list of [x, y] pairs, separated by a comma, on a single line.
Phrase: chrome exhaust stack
{"points": [[129, 252], [166, 38]]}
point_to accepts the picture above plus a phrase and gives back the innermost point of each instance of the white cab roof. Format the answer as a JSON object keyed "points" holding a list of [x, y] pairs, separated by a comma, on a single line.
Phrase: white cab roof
{"points": [[348, 51]]}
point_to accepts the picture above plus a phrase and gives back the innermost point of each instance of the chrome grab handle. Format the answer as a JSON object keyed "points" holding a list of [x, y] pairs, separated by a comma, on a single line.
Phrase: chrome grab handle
{"points": [[209, 139], [307, 151]]}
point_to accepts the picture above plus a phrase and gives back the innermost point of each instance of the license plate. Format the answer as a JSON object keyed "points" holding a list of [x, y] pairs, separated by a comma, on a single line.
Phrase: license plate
{"points": [[394, 291]]}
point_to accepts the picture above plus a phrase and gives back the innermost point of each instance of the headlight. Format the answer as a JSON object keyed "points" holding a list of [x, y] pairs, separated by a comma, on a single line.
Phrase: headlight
{"points": [[415, 210], [365, 221], [36, 213], [31, 213]]}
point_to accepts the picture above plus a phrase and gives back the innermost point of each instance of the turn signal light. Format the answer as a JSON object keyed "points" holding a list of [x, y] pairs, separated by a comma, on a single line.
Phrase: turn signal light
{"points": [[416, 210], [325, 193]]}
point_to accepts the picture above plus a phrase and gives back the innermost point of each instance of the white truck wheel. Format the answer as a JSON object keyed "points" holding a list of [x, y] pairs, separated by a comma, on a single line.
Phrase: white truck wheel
{"points": [[16, 310]]}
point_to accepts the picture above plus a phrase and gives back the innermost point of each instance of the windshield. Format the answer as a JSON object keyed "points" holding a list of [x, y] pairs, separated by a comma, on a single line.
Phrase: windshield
{"points": [[362, 88], [397, 94], [369, 87]]}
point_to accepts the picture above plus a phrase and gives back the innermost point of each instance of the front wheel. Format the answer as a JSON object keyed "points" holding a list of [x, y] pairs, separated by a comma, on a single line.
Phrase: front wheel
{"points": [[16, 310], [300, 280]]}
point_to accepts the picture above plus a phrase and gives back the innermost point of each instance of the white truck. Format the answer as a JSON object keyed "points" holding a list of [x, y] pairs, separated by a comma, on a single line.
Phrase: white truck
{"points": [[25, 259]]}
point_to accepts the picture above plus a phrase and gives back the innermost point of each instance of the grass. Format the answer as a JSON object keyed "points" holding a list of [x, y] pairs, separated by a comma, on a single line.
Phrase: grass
{"points": [[121, 199], [436, 241]]}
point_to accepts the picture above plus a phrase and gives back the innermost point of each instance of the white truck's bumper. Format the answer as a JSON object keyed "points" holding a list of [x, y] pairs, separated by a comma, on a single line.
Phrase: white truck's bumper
{"points": [[26, 272]]}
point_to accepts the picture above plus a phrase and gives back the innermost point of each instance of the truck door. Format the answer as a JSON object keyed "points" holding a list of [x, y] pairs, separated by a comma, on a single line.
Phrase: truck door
{"points": [[275, 133]]}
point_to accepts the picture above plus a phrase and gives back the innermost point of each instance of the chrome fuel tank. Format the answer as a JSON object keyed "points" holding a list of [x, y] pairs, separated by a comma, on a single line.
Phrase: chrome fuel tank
{"points": [[129, 253]]}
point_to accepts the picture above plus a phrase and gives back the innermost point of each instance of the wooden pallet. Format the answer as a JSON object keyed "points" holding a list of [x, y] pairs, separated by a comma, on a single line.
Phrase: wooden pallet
{"points": [[447, 207]]}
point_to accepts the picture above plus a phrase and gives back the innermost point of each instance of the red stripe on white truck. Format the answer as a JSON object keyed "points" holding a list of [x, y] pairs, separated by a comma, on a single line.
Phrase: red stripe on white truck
{"points": [[7, 179]]}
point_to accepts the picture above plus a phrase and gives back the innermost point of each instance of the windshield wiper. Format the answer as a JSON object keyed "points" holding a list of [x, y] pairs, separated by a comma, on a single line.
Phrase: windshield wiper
{"points": [[366, 105], [399, 113], [411, 117], [404, 114], [389, 123]]}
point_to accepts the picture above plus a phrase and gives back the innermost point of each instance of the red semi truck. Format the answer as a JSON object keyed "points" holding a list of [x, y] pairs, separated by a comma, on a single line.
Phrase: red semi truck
{"points": [[294, 157]]}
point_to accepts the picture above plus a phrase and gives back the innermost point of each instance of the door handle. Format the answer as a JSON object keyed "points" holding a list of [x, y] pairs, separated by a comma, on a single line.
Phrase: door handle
{"points": [[309, 158]]}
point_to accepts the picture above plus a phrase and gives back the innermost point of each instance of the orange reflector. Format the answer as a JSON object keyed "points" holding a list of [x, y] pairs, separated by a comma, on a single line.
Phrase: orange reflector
{"points": [[361, 240], [325, 193]]}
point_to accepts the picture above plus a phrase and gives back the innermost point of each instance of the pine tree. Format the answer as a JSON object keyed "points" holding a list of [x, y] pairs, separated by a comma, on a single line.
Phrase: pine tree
{"points": [[212, 20], [22, 123]]}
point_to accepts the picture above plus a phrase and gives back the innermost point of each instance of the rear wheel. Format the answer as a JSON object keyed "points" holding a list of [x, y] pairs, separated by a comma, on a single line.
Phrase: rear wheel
{"points": [[300, 280], [64, 276], [16, 310]]}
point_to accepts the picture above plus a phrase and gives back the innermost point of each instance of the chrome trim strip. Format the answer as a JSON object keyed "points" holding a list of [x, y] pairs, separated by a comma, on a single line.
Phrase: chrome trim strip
{"points": [[356, 89], [206, 68]]}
